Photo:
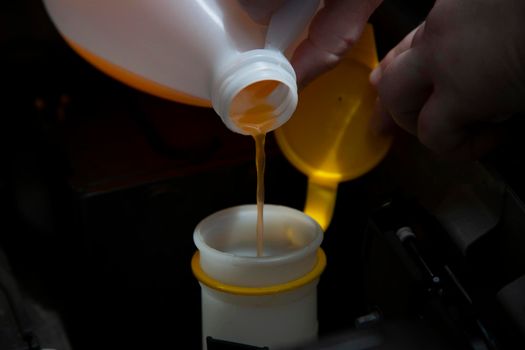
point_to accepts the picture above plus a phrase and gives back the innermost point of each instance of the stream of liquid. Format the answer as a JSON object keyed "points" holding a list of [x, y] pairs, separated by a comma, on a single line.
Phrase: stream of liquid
{"points": [[260, 159], [252, 113]]}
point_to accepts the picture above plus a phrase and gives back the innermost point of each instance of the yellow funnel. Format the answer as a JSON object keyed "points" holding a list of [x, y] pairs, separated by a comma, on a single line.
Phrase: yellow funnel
{"points": [[330, 136]]}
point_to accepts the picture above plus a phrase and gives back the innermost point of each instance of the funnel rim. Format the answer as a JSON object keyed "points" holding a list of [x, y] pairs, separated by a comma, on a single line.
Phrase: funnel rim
{"points": [[249, 209], [215, 284]]}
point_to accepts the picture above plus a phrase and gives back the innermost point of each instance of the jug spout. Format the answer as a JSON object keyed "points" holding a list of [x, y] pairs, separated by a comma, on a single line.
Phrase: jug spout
{"points": [[320, 201], [252, 79]]}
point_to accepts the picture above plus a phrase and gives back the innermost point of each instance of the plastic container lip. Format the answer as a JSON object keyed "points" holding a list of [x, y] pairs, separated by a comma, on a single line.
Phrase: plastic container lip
{"points": [[258, 291], [248, 210], [246, 69]]}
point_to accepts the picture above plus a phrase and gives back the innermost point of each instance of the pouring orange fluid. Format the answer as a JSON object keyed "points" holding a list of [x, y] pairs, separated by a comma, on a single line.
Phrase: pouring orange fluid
{"points": [[253, 113]]}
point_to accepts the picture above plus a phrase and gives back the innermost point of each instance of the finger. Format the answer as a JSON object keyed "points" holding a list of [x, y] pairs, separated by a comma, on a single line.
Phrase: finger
{"points": [[260, 10], [334, 29], [447, 128], [477, 143], [381, 121], [408, 42], [441, 124], [404, 89]]}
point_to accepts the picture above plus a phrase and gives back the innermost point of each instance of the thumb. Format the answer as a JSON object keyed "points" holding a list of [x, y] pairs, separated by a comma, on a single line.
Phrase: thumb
{"points": [[334, 29]]}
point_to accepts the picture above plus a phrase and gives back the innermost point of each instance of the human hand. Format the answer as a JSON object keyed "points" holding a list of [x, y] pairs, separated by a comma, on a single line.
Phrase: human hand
{"points": [[333, 30], [455, 77]]}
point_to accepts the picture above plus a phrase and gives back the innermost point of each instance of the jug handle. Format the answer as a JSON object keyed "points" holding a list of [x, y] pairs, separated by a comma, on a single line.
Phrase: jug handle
{"points": [[320, 201], [289, 22]]}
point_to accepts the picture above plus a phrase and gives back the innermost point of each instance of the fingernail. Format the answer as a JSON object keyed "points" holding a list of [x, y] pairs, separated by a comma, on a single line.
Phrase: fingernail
{"points": [[375, 76]]}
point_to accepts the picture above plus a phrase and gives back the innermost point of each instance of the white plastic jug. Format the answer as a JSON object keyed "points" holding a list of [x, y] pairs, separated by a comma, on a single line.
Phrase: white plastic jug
{"points": [[200, 52], [264, 301]]}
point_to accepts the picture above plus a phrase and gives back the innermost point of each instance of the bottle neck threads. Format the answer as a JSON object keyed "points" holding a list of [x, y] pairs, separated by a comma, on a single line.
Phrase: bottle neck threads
{"points": [[250, 79]]}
